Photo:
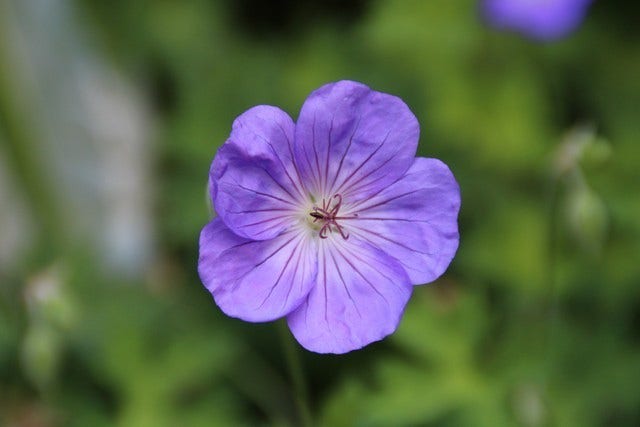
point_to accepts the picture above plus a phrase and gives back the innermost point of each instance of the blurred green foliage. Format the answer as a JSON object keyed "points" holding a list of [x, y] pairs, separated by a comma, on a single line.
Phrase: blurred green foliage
{"points": [[537, 321]]}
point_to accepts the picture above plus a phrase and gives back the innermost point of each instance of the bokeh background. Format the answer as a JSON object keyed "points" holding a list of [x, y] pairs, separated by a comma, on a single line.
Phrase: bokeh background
{"points": [[111, 112]]}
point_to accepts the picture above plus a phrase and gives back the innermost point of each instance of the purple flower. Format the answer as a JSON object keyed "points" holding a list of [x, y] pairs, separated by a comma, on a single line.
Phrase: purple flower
{"points": [[328, 221], [538, 19]]}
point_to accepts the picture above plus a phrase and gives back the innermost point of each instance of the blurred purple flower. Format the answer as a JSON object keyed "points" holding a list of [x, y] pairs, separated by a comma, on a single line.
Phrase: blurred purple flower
{"points": [[329, 221], [538, 19]]}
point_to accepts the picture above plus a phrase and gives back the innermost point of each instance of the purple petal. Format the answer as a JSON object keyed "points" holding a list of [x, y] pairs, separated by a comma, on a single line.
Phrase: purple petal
{"points": [[349, 137], [254, 184], [543, 20], [256, 281], [359, 298], [414, 220]]}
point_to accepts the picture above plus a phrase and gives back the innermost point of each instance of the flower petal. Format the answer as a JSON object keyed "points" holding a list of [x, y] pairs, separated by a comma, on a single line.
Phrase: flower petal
{"points": [[254, 184], [256, 280], [543, 20], [349, 137], [359, 298], [414, 220]]}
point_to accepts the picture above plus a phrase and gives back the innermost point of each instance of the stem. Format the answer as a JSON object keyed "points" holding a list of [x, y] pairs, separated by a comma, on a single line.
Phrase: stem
{"points": [[552, 299], [23, 152], [296, 373]]}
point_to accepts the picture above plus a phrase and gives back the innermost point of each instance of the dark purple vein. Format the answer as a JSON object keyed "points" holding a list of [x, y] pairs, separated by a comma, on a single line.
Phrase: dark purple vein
{"points": [[326, 166], [284, 268], [363, 276], [263, 194], [344, 155], [293, 277], [315, 151], [390, 199], [363, 163], [344, 284]]}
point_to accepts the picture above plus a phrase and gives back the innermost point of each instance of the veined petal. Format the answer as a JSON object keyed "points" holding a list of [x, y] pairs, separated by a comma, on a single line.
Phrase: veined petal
{"points": [[414, 220], [254, 184], [256, 281], [359, 298], [349, 137]]}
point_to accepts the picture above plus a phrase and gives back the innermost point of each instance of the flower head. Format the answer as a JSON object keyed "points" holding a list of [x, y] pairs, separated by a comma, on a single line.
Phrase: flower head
{"points": [[538, 19], [329, 221]]}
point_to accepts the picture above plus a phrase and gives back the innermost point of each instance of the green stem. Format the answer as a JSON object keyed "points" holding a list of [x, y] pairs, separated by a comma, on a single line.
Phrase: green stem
{"points": [[296, 372], [552, 298], [25, 157]]}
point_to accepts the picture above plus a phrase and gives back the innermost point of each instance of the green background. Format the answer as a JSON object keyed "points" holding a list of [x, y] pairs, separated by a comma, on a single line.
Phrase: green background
{"points": [[535, 323]]}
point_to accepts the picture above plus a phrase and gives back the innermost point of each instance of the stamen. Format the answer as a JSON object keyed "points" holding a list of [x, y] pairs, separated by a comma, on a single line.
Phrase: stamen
{"points": [[329, 216], [316, 216]]}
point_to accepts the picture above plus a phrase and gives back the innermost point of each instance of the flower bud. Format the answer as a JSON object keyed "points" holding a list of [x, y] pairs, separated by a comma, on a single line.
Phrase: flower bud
{"points": [[587, 218]]}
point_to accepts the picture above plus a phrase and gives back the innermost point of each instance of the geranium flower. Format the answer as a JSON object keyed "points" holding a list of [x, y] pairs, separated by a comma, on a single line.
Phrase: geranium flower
{"points": [[329, 221], [538, 19]]}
